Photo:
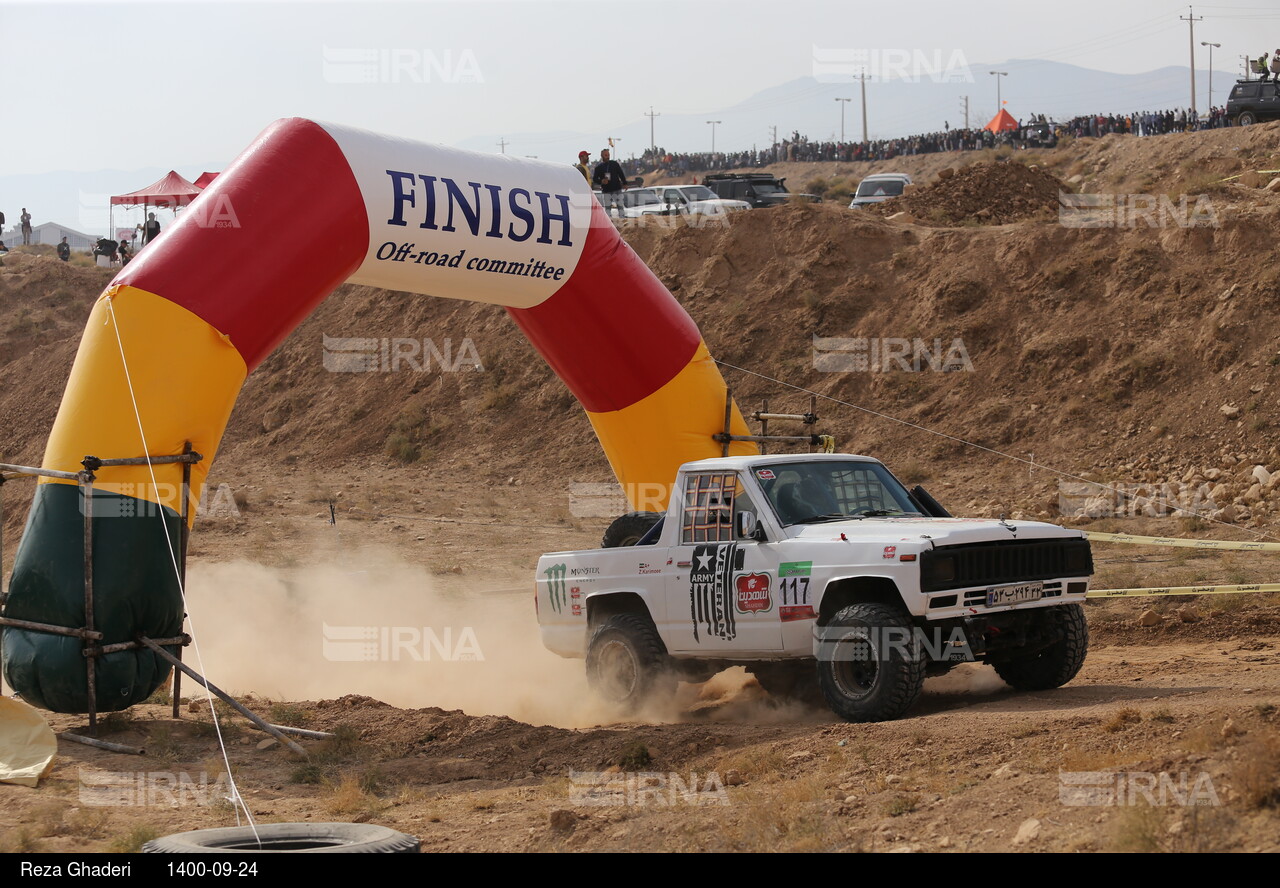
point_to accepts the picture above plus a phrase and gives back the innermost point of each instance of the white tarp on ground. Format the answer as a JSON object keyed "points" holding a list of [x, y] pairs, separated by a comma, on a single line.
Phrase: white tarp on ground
{"points": [[27, 743]]}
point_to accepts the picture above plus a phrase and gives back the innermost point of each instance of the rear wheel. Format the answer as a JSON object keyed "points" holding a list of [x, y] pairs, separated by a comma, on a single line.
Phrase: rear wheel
{"points": [[1246, 118], [870, 667], [627, 663], [1055, 664]]}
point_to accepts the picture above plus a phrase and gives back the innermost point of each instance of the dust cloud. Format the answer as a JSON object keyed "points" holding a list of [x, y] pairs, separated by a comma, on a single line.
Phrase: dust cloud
{"points": [[386, 629]]}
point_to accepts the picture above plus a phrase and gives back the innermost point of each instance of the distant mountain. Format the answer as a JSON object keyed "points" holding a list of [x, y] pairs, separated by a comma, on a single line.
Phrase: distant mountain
{"points": [[807, 105], [894, 108]]}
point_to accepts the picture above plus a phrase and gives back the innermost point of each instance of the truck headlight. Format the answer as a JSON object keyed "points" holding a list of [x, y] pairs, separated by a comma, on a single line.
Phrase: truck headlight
{"points": [[942, 569]]}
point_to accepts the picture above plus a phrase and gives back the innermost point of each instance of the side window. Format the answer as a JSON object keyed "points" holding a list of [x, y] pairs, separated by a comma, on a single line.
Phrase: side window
{"points": [[708, 508]]}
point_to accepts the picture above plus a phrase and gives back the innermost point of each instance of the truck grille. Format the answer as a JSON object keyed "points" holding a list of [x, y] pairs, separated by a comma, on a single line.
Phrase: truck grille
{"points": [[993, 564]]}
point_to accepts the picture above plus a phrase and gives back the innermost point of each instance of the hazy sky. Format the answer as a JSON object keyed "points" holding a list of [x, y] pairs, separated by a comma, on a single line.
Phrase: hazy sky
{"points": [[126, 84]]}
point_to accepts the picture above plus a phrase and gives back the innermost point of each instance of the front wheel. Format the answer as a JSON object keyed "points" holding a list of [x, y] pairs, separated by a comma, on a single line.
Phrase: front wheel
{"points": [[1058, 661], [870, 666], [627, 663]]}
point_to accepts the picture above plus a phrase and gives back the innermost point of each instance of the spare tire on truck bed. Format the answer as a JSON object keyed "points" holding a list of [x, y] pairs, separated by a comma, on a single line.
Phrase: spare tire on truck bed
{"points": [[626, 530]]}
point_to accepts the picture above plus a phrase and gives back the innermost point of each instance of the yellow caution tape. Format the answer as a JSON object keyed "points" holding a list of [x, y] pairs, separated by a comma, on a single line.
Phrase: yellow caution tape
{"points": [[1189, 544], [1182, 590]]}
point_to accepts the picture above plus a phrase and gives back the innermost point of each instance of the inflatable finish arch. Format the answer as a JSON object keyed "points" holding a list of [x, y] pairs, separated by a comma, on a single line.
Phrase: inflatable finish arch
{"points": [[305, 208]]}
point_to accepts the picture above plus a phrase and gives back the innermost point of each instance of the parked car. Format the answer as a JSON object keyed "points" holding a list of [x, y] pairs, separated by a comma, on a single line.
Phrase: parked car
{"points": [[758, 189], [698, 200], [637, 202], [879, 187], [1253, 100]]}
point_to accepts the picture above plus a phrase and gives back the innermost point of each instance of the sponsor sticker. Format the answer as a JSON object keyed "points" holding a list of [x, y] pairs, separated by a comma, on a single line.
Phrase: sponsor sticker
{"points": [[890, 551], [765, 474], [753, 592]]}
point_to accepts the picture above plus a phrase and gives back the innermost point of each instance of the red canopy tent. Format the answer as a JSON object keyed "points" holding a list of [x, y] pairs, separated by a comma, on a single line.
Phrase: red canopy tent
{"points": [[204, 179], [1002, 123], [170, 191]]}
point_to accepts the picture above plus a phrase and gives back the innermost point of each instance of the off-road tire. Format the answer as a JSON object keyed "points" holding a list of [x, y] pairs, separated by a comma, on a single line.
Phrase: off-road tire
{"points": [[1054, 666], [342, 838], [860, 681], [626, 530], [627, 663]]}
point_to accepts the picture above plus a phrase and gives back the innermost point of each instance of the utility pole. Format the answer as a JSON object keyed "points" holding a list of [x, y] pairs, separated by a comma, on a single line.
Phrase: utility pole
{"points": [[653, 146], [773, 145], [1191, 20], [503, 143], [1212, 47], [964, 103], [999, 101], [862, 77], [1245, 60], [842, 117], [713, 133]]}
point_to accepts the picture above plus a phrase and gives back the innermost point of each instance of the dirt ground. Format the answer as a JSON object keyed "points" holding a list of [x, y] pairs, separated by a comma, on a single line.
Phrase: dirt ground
{"points": [[1109, 356]]}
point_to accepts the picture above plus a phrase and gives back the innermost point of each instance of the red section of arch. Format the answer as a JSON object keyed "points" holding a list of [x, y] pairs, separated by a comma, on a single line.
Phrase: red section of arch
{"points": [[266, 242], [613, 332]]}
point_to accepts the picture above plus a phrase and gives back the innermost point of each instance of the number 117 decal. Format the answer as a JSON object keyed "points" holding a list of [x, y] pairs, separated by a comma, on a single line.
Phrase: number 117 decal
{"points": [[793, 590]]}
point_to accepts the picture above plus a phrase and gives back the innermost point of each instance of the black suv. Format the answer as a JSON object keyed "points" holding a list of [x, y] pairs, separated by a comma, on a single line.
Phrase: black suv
{"points": [[1253, 100], [757, 189]]}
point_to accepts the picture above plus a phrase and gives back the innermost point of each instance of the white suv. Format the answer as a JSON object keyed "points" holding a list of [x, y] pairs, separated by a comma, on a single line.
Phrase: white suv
{"points": [[879, 187], [698, 200]]}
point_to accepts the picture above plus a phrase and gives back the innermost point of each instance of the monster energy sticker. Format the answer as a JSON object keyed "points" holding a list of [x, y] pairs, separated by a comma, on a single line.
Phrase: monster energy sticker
{"points": [[555, 575], [711, 592]]}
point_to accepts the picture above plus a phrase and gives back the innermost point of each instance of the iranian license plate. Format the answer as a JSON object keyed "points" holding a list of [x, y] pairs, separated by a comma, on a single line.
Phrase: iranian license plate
{"points": [[1016, 594]]}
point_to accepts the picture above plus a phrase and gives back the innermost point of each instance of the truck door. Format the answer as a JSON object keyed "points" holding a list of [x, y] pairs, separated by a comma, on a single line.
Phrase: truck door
{"points": [[722, 591]]}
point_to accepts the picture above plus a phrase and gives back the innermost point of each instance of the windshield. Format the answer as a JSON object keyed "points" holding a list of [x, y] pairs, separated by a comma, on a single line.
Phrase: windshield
{"points": [[808, 492], [698, 192], [880, 188], [639, 198]]}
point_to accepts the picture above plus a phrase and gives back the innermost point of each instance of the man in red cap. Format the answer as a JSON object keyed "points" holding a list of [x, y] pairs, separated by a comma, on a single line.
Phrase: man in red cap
{"points": [[582, 165]]}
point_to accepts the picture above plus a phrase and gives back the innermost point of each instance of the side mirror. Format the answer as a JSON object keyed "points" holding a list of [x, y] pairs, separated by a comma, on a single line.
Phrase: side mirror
{"points": [[748, 526]]}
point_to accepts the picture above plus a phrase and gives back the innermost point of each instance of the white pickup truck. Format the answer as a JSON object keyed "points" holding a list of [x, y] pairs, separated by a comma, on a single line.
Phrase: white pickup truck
{"points": [[818, 573]]}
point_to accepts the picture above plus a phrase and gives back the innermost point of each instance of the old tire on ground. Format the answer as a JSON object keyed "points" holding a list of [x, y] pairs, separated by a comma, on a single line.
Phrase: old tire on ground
{"points": [[1056, 664], [870, 666], [627, 663], [341, 838], [626, 530], [790, 680], [1246, 118]]}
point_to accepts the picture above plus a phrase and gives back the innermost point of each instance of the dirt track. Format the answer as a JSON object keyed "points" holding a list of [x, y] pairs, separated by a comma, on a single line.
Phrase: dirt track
{"points": [[1108, 355]]}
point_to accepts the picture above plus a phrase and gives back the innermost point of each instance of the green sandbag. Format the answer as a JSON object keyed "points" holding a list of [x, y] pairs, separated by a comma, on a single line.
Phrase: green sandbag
{"points": [[135, 592]]}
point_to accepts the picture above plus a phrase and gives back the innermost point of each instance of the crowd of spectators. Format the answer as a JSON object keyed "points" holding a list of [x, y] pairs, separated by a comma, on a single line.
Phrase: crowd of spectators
{"points": [[802, 148]]}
